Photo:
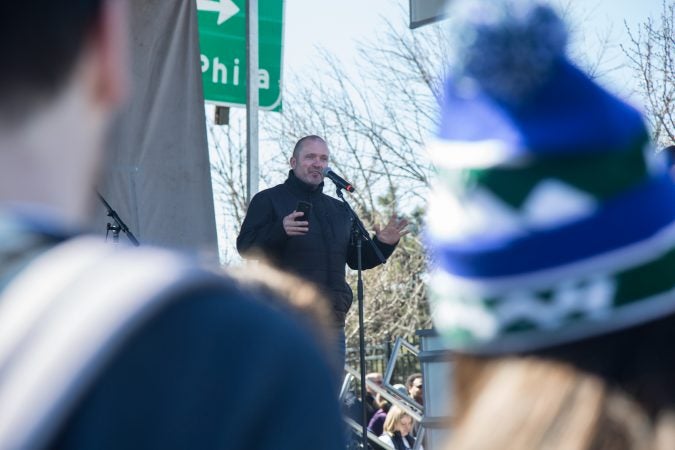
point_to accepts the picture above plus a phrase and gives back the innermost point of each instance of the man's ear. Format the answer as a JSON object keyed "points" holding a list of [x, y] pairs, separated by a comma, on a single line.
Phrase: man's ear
{"points": [[109, 45], [293, 162]]}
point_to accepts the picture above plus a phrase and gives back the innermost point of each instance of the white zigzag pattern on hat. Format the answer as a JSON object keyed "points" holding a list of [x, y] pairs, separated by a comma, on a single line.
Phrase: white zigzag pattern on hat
{"points": [[484, 154], [483, 215], [592, 298], [448, 315], [553, 203]]}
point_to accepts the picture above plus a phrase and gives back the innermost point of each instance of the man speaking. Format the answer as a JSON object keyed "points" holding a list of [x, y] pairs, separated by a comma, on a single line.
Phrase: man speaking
{"points": [[302, 230]]}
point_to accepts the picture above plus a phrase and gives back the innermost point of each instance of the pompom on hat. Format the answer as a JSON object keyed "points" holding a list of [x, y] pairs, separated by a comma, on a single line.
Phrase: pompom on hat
{"points": [[552, 218]]}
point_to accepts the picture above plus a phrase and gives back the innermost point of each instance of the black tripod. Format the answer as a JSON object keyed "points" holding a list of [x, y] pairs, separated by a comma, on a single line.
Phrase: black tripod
{"points": [[117, 225], [358, 235]]}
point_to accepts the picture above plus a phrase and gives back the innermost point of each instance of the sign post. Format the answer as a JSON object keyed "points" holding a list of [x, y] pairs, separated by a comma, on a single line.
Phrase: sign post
{"points": [[252, 99]]}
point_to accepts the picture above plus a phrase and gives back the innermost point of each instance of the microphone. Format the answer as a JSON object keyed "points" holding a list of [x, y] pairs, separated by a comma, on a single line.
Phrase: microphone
{"points": [[340, 182]]}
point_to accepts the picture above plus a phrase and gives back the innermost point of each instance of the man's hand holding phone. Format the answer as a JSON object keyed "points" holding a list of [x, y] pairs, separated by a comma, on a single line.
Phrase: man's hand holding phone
{"points": [[297, 222]]}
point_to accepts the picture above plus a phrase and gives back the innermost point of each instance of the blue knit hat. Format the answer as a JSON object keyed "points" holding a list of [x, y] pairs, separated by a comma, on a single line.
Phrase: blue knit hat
{"points": [[552, 217]]}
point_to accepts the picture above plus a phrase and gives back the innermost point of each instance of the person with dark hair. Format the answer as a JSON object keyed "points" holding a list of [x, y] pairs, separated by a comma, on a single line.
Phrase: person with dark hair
{"points": [[371, 401], [104, 346], [415, 387], [315, 246], [553, 227], [376, 422]]}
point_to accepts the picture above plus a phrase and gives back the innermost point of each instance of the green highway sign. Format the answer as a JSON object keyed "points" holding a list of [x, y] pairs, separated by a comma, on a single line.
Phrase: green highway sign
{"points": [[222, 39]]}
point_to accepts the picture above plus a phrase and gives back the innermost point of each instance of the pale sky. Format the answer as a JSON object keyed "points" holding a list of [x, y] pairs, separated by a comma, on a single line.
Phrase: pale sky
{"points": [[338, 25]]}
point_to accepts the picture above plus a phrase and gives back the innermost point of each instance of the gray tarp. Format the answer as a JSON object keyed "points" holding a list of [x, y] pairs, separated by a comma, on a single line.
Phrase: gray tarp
{"points": [[158, 176]]}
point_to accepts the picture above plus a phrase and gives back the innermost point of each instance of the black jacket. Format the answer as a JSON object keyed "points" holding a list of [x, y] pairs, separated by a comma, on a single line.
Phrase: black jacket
{"points": [[397, 439], [321, 254]]}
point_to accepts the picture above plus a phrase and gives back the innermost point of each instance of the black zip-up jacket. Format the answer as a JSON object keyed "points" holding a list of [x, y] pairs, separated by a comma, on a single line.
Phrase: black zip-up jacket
{"points": [[320, 255]]}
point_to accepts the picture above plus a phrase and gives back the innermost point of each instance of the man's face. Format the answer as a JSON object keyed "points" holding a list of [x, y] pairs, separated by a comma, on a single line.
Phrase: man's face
{"points": [[417, 390], [310, 162]]}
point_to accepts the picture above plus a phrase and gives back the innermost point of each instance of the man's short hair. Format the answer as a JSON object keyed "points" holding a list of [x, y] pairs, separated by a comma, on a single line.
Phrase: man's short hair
{"points": [[301, 142], [411, 379], [39, 45]]}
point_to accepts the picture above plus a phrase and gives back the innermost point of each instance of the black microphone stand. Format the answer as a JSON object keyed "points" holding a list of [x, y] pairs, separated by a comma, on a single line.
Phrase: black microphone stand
{"points": [[358, 235], [118, 226]]}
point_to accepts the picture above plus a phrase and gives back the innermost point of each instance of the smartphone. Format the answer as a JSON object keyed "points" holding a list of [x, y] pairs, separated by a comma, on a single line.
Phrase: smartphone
{"points": [[303, 207]]}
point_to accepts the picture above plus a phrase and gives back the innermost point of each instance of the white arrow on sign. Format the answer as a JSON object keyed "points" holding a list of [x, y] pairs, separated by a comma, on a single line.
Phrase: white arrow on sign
{"points": [[224, 8]]}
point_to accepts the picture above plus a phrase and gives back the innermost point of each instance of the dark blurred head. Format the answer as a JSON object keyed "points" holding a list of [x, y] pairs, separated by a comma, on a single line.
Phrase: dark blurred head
{"points": [[40, 42], [63, 74]]}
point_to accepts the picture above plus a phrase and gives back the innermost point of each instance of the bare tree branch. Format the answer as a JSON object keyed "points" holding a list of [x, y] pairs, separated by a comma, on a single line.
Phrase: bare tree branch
{"points": [[651, 53]]}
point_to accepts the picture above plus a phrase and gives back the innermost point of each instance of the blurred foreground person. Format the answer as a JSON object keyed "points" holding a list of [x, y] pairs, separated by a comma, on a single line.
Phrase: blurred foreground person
{"points": [[553, 224], [107, 347]]}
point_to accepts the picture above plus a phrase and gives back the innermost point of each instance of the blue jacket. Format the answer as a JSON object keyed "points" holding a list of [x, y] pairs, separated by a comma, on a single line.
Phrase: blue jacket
{"points": [[216, 368]]}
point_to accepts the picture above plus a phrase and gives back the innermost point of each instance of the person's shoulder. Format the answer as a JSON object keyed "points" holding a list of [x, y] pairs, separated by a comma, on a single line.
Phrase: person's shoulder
{"points": [[263, 193], [206, 330], [251, 329], [205, 304], [208, 310], [268, 193], [225, 300]]}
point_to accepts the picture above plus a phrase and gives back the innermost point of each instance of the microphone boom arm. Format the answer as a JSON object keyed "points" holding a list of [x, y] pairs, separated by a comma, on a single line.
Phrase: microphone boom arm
{"points": [[118, 221]]}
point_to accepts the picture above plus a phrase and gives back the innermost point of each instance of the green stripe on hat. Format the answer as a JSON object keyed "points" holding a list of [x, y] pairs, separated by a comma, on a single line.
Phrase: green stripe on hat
{"points": [[646, 280], [601, 174]]}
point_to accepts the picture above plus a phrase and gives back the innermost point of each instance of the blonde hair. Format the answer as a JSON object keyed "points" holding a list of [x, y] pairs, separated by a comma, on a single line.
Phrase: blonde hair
{"points": [[534, 403], [394, 417]]}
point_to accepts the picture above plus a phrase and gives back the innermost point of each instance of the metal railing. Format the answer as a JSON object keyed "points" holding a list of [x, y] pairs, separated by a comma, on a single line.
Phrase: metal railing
{"points": [[379, 354], [387, 391]]}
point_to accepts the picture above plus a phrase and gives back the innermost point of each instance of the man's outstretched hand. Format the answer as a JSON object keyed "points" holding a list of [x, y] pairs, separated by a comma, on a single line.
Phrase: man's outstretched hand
{"points": [[393, 231]]}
